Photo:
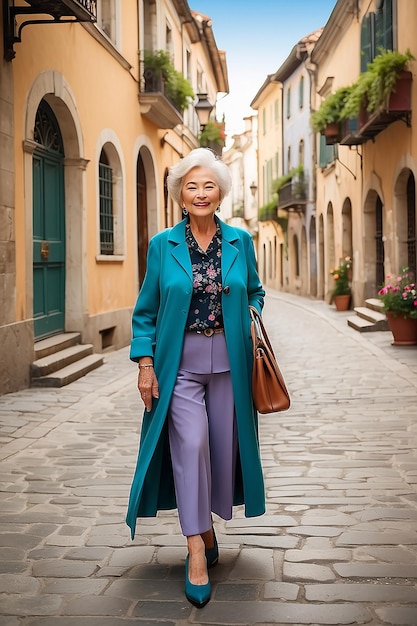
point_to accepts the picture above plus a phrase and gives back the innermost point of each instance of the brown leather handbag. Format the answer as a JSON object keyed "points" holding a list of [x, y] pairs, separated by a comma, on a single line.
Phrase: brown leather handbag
{"points": [[269, 390]]}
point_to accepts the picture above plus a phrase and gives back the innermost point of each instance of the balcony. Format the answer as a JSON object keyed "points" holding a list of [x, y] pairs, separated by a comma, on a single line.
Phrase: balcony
{"points": [[293, 195], [155, 105], [368, 125], [60, 12], [83, 10]]}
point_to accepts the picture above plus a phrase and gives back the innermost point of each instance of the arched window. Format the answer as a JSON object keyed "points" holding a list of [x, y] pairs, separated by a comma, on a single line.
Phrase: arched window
{"points": [[110, 202], [105, 177]]}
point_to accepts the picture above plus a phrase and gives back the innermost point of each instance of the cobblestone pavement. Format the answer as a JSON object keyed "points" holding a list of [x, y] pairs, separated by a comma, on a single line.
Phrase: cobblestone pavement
{"points": [[338, 544]]}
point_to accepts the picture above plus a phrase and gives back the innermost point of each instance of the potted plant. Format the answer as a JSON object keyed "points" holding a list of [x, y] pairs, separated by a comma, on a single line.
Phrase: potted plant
{"points": [[327, 119], [341, 292], [374, 87], [213, 135], [160, 75], [399, 300]]}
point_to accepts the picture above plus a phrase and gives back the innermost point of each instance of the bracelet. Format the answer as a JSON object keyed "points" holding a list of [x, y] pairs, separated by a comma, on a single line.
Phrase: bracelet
{"points": [[145, 365]]}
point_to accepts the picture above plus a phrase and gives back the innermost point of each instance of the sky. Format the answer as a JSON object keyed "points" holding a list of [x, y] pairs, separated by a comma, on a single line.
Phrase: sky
{"points": [[257, 35]]}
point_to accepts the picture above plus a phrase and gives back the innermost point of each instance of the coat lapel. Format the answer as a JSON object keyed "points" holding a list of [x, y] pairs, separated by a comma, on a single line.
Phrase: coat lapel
{"points": [[229, 251], [180, 251]]}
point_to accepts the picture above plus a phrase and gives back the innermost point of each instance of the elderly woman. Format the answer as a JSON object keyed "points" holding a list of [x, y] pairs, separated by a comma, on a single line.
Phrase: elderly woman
{"points": [[199, 448]]}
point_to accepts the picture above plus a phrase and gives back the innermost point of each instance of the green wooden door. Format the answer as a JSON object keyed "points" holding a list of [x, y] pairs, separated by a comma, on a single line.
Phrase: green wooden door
{"points": [[48, 227]]}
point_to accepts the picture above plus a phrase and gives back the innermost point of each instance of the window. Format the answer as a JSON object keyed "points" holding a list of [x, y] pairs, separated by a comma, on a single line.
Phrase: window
{"points": [[106, 205], [276, 112], [327, 154], [110, 202], [376, 32], [301, 93], [264, 121], [169, 46], [301, 152], [289, 102], [289, 159], [106, 18], [270, 177]]}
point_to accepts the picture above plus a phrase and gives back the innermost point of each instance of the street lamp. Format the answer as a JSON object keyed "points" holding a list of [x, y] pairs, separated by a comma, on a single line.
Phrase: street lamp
{"points": [[203, 108]]}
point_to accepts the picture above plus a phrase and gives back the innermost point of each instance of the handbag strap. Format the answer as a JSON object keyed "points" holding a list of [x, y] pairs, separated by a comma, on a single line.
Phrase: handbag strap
{"points": [[258, 327]]}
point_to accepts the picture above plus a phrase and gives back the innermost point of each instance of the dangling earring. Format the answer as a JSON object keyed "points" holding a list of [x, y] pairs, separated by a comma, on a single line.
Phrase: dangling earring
{"points": [[218, 210], [184, 211]]}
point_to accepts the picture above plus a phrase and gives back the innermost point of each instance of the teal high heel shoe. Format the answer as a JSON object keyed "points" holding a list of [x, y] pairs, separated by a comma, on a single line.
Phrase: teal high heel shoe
{"points": [[212, 554], [198, 595]]}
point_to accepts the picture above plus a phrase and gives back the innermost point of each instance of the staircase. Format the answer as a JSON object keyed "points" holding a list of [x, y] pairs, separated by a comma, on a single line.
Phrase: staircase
{"points": [[369, 317], [61, 359]]}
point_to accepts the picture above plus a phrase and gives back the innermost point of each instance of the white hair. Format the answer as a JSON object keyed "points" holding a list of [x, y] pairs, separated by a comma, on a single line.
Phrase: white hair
{"points": [[200, 157]]}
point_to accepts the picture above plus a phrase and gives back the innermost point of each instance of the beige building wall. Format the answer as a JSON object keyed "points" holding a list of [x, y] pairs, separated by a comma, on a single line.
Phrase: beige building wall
{"points": [[362, 179], [271, 244]]}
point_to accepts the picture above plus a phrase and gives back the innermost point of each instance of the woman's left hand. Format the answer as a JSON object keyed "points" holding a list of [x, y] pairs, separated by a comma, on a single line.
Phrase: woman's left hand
{"points": [[148, 386]]}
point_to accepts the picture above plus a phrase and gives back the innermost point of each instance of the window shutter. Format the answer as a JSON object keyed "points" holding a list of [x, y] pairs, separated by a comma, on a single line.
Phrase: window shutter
{"points": [[367, 47]]}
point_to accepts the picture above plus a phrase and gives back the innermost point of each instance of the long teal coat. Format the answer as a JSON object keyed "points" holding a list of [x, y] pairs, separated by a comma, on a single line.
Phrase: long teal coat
{"points": [[158, 325]]}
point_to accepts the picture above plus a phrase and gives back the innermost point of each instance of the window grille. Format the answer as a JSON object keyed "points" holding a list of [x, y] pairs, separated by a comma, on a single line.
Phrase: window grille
{"points": [[106, 209]]}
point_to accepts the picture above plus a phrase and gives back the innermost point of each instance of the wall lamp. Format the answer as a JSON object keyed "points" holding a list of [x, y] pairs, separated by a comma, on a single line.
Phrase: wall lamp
{"points": [[203, 108], [253, 188]]}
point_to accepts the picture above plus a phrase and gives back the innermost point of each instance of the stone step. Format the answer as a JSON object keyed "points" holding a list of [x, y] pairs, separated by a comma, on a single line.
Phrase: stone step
{"points": [[53, 344], [71, 372], [360, 324], [371, 315], [58, 360], [374, 303]]}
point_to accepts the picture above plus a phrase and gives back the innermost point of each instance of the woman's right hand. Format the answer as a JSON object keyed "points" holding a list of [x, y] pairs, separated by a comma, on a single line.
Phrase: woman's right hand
{"points": [[147, 385]]}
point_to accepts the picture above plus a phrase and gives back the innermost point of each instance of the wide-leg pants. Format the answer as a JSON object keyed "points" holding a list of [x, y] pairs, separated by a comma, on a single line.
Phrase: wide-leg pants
{"points": [[202, 433]]}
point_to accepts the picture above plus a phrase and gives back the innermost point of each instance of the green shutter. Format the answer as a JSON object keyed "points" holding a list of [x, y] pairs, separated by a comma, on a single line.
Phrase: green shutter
{"points": [[367, 48]]}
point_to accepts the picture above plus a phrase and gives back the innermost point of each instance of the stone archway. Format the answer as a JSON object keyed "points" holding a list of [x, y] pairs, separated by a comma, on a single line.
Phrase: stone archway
{"points": [[146, 206], [374, 248], [313, 257], [52, 87], [330, 259], [405, 220]]}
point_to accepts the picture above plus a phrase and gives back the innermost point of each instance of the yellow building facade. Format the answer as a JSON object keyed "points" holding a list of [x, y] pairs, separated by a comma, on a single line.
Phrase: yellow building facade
{"points": [[271, 241], [88, 133], [366, 202]]}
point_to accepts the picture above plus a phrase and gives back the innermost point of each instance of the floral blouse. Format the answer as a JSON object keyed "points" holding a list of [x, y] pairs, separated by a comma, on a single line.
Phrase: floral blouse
{"points": [[206, 304]]}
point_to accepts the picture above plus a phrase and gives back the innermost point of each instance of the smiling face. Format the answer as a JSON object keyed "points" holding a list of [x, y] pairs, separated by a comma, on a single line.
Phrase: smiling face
{"points": [[200, 192]]}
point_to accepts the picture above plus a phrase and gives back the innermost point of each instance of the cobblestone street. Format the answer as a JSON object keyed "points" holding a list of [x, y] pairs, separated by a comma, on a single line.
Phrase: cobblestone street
{"points": [[338, 544]]}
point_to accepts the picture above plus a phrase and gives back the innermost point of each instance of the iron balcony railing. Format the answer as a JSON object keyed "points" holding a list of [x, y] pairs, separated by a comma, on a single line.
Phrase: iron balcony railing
{"points": [[293, 195], [81, 9]]}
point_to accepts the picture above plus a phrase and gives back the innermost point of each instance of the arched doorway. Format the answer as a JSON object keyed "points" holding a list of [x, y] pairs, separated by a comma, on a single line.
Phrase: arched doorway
{"points": [[330, 258], [405, 220], [347, 247], [321, 283], [147, 211], [142, 219], [48, 225], [313, 257], [374, 253]]}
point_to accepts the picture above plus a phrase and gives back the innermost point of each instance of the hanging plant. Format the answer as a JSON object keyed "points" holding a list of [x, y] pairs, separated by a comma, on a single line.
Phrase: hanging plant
{"points": [[374, 87], [332, 110], [160, 74], [213, 132]]}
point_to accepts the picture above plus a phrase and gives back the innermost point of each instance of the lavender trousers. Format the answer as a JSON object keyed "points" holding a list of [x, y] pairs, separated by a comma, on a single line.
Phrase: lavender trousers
{"points": [[202, 433]]}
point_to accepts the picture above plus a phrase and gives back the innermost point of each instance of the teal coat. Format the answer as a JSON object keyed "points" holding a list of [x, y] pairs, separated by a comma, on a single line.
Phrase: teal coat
{"points": [[158, 326]]}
